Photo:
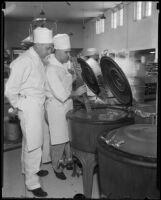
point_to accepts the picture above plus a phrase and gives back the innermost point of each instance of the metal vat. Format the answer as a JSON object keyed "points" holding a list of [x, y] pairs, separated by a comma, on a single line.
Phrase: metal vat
{"points": [[127, 160], [85, 127]]}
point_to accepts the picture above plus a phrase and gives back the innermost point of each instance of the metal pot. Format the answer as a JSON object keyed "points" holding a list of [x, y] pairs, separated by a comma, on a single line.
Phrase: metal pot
{"points": [[127, 162], [86, 126]]}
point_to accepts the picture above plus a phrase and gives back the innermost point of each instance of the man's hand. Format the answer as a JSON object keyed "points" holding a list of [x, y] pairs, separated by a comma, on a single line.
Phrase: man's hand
{"points": [[79, 91], [13, 111]]}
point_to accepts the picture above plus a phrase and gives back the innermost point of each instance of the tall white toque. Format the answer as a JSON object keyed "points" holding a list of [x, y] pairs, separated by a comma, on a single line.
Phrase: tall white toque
{"points": [[91, 52], [61, 41], [42, 35]]}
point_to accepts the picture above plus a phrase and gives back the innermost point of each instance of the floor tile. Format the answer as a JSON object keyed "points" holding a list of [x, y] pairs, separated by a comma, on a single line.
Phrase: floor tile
{"points": [[13, 180]]}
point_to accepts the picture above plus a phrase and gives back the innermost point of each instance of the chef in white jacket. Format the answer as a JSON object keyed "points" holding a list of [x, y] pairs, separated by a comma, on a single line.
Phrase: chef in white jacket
{"points": [[59, 101], [25, 90]]}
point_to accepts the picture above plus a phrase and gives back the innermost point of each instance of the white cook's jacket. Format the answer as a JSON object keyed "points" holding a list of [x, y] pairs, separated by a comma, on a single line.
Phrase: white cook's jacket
{"points": [[25, 90], [58, 90]]}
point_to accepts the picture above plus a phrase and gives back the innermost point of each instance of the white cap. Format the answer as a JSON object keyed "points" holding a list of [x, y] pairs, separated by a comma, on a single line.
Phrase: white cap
{"points": [[91, 52], [42, 35], [61, 41]]}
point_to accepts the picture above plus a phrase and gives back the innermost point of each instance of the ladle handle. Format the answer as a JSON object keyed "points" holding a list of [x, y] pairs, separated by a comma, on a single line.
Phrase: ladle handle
{"points": [[86, 102], [80, 82]]}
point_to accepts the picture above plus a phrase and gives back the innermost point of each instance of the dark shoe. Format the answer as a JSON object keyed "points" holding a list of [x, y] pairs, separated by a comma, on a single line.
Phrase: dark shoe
{"points": [[69, 166], [79, 196], [39, 192], [42, 173], [60, 175]]}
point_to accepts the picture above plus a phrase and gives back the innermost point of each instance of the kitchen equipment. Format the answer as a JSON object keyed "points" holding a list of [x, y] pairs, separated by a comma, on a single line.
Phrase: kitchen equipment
{"points": [[116, 81], [89, 76], [86, 126], [127, 159]]}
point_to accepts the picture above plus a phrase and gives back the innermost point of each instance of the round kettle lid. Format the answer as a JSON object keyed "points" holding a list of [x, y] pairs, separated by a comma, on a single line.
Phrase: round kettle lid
{"points": [[116, 81], [89, 76], [137, 139]]}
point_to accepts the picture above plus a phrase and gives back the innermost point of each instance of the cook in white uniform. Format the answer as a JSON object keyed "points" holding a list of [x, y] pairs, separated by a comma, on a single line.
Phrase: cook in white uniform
{"points": [[59, 102], [46, 159], [25, 90]]}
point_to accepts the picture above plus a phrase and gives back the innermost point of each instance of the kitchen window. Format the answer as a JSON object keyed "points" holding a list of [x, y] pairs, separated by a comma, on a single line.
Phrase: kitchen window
{"points": [[100, 26], [114, 19], [97, 26], [138, 10], [142, 9], [117, 18], [120, 17], [148, 8]]}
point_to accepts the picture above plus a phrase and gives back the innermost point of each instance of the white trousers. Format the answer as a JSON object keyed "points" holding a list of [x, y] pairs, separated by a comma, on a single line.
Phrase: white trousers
{"points": [[46, 144], [30, 160]]}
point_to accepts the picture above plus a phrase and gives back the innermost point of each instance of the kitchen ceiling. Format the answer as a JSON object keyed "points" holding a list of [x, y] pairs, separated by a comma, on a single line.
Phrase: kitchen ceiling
{"points": [[60, 11]]}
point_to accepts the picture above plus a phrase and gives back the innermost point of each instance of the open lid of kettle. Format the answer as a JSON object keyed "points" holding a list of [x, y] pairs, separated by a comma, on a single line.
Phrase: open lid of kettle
{"points": [[115, 79], [88, 76]]}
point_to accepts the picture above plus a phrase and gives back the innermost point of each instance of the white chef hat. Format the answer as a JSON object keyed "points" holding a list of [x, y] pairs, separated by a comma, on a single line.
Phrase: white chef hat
{"points": [[42, 35], [91, 52], [61, 41]]}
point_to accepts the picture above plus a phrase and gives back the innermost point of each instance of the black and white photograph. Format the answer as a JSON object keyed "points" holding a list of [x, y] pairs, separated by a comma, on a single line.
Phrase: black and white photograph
{"points": [[80, 99]]}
